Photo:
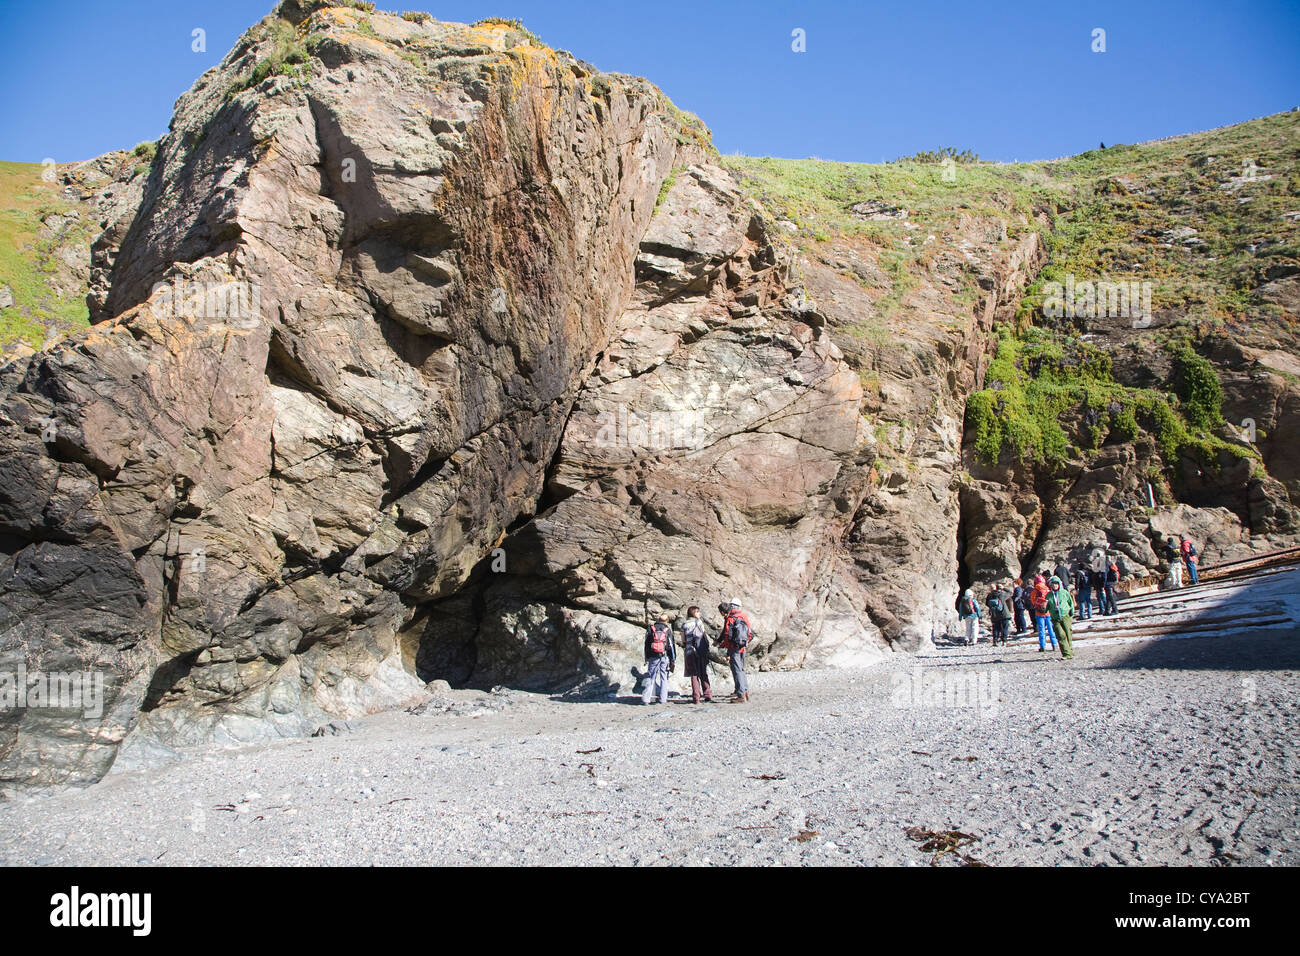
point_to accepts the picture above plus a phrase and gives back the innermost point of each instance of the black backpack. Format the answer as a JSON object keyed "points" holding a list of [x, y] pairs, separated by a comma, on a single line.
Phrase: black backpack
{"points": [[738, 634]]}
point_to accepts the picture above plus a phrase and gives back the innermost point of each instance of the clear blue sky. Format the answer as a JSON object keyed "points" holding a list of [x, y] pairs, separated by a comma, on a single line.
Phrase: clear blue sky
{"points": [[1015, 80]]}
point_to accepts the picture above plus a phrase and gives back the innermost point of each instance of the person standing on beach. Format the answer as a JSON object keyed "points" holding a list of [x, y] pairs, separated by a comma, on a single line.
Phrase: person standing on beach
{"points": [[1042, 614], [1061, 607], [695, 640], [968, 609], [999, 605], [660, 659], [1108, 592], [1190, 558], [1019, 598], [1173, 563], [737, 633]]}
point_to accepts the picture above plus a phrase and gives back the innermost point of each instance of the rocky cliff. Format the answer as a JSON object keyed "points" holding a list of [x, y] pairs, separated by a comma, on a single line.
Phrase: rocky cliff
{"points": [[397, 373], [425, 351]]}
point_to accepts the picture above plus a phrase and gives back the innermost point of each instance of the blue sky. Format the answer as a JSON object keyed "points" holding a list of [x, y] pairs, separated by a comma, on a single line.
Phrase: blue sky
{"points": [[1015, 80]]}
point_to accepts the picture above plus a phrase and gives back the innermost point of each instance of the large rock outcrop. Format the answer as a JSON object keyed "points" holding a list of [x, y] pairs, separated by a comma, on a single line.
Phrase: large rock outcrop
{"points": [[393, 289]]}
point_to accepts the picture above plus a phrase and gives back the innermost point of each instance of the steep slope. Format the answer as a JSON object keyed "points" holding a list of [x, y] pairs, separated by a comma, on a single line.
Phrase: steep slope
{"points": [[1070, 406]]}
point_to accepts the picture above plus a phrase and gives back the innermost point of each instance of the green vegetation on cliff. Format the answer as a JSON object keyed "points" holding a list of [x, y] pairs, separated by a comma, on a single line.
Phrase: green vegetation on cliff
{"points": [[1204, 221], [28, 252]]}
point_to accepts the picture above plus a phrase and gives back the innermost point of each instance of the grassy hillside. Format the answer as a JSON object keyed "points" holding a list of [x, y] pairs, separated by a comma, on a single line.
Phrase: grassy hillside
{"points": [[1207, 219], [28, 257]]}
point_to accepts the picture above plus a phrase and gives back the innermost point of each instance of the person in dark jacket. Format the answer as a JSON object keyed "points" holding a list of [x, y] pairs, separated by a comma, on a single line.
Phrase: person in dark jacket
{"points": [[1173, 563], [998, 601], [1018, 599], [1083, 587], [1063, 572], [695, 640], [1097, 579], [1190, 557], [660, 659], [1112, 579]]}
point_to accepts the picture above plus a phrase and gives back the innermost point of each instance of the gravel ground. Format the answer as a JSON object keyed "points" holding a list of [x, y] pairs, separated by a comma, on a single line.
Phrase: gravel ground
{"points": [[1159, 752]]}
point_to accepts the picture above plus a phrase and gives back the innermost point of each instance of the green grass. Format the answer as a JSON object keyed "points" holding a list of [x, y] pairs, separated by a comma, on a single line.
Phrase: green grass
{"points": [[27, 261], [1050, 397]]}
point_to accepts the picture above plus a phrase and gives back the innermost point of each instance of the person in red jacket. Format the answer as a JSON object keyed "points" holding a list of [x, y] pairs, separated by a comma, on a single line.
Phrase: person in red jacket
{"points": [[1042, 616], [737, 633]]}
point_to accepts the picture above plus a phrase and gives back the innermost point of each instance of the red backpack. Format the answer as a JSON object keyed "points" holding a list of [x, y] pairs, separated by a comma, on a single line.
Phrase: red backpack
{"points": [[659, 635]]}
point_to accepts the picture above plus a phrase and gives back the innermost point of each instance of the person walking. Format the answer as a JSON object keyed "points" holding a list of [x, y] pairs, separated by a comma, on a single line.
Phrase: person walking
{"points": [[1190, 558], [1173, 563], [1108, 592], [1018, 599], [1061, 608], [1042, 614], [1083, 587], [968, 609], [999, 605], [737, 633], [660, 659], [695, 640]]}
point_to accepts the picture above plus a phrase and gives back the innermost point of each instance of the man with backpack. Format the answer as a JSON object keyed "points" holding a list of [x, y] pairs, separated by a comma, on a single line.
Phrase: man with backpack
{"points": [[660, 659], [737, 633], [1189, 558], [695, 639], [1042, 614], [968, 609], [1173, 563], [1019, 599], [999, 603]]}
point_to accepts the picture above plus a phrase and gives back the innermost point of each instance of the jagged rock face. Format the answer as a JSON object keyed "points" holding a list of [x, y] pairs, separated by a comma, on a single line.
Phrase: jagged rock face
{"points": [[234, 512], [368, 321], [903, 544], [716, 450]]}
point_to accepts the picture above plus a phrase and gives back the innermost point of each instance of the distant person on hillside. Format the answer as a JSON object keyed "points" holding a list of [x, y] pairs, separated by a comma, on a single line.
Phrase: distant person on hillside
{"points": [[1173, 563], [968, 609], [1042, 615], [999, 605], [1083, 587], [737, 634], [1112, 581], [695, 640], [1019, 598], [1190, 558], [660, 659], [1061, 607]]}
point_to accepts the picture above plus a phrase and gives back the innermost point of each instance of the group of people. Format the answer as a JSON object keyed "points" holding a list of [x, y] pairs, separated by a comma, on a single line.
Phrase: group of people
{"points": [[1057, 595], [1047, 601], [661, 654], [1178, 555]]}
